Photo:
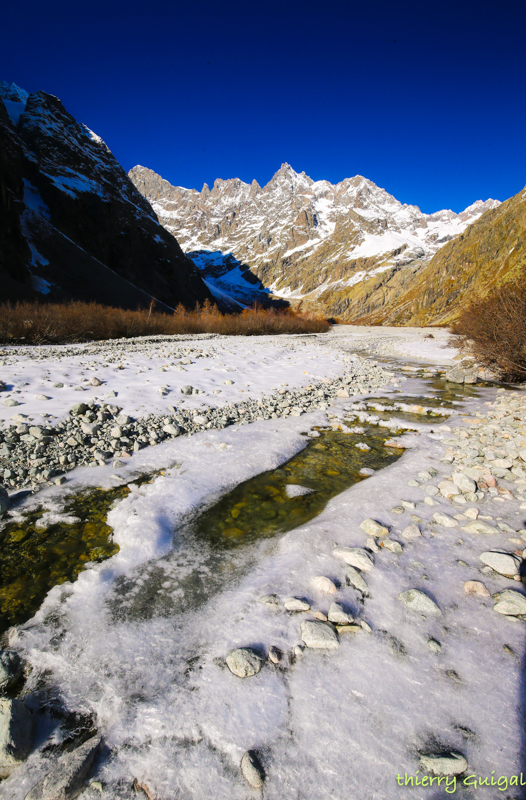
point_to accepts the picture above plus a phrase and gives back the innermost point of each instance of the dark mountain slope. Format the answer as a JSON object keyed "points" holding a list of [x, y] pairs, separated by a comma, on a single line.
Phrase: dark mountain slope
{"points": [[77, 226]]}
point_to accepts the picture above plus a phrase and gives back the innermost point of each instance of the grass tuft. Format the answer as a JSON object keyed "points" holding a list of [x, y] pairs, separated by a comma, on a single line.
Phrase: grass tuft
{"points": [[54, 323]]}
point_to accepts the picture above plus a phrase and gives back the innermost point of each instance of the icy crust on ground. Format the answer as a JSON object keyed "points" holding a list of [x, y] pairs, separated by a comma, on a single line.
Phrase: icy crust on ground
{"points": [[335, 725], [133, 374], [430, 345]]}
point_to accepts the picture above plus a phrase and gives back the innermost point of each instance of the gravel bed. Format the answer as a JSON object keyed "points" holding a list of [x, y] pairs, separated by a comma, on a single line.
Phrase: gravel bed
{"points": [[95, 433]]}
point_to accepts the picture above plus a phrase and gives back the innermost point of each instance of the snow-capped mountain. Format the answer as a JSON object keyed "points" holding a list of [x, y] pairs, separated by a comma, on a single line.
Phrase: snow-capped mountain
{"points": [[72, 223], [297, 238]]}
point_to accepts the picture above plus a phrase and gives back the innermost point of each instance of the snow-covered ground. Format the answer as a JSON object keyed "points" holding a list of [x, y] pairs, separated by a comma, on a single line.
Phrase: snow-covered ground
{"points": [[333, 724], [225, 369]]}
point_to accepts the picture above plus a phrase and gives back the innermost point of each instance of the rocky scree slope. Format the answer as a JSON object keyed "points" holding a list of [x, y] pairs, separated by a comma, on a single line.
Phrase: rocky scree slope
{"points": [[489, 253], [73, 224], [300, 239]]}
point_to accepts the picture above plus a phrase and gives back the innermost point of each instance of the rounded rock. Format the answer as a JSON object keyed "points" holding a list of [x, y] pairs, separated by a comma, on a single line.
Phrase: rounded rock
{"points": [[319, 635], [324, 584], [296, 604], [501, 562], [339, 615], [418, 601], [444, 763], [244, 662], [356, 557], [510, 603], [476, 588]]}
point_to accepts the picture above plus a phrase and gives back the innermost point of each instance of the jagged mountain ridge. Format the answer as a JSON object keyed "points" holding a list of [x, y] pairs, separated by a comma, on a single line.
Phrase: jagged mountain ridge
{"points": [[488, 254], [77, 228], [303, 239]]}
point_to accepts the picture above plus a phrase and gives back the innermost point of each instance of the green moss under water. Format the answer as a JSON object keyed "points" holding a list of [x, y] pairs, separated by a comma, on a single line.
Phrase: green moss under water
{"points": [[261, 506], [34, 559]]}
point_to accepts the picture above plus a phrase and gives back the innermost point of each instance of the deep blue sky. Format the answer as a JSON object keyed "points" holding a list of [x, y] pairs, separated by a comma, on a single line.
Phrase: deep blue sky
{"points": [[427, 99]]}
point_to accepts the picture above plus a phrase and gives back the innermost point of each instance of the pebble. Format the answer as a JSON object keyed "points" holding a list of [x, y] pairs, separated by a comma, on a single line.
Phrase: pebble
{"points": [[244, 662], [501, 562], [476, 588], [355, 557], [417, 601], [392, 545], [324, 584], [339, 615], [319, 635], [444, 763], [270, 600], [444, 519], [275, 655], [434, 645], [252, 770], [510, 603], [464, 483], [296, 604], [411, 533], [477, 526], [448, 489], [430, 501], [374, 528], [70, 442], [354, 579], [349, 629]]}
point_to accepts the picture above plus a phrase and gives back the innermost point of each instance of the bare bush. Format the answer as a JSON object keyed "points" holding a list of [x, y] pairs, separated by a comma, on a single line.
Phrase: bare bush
{"points": [[53, 323], [494, 329]]}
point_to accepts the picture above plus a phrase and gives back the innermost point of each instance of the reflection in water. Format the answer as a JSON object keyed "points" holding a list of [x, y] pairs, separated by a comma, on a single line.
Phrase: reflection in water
{"points": [[216, 547]]}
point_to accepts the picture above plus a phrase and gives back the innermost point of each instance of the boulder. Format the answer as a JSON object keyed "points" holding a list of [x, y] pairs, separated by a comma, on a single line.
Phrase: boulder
{"points": [[462, 375], [5, 502]]}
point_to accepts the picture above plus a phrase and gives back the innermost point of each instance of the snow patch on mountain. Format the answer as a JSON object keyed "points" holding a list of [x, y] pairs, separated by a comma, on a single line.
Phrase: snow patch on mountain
{"points": [[294, 230]]}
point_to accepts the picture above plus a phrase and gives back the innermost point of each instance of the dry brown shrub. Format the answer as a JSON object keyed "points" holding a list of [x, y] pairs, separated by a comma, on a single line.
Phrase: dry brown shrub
{"points": [[494, 329], [53, 323]]}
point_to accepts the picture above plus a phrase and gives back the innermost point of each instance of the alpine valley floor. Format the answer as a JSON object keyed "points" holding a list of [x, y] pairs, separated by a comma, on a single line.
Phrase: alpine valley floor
{"points": [[421, 675]]}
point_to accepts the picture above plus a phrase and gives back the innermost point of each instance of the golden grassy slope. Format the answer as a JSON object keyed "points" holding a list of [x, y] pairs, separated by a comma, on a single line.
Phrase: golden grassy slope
{"points": [[489, 253]]}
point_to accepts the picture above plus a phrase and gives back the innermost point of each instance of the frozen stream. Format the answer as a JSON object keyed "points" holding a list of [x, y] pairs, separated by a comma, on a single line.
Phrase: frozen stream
{"points": [[135, 647]]}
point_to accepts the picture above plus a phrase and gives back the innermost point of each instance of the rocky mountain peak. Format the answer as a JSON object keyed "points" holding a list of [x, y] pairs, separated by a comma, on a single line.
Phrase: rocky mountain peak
{"points": [[302, 239]]}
